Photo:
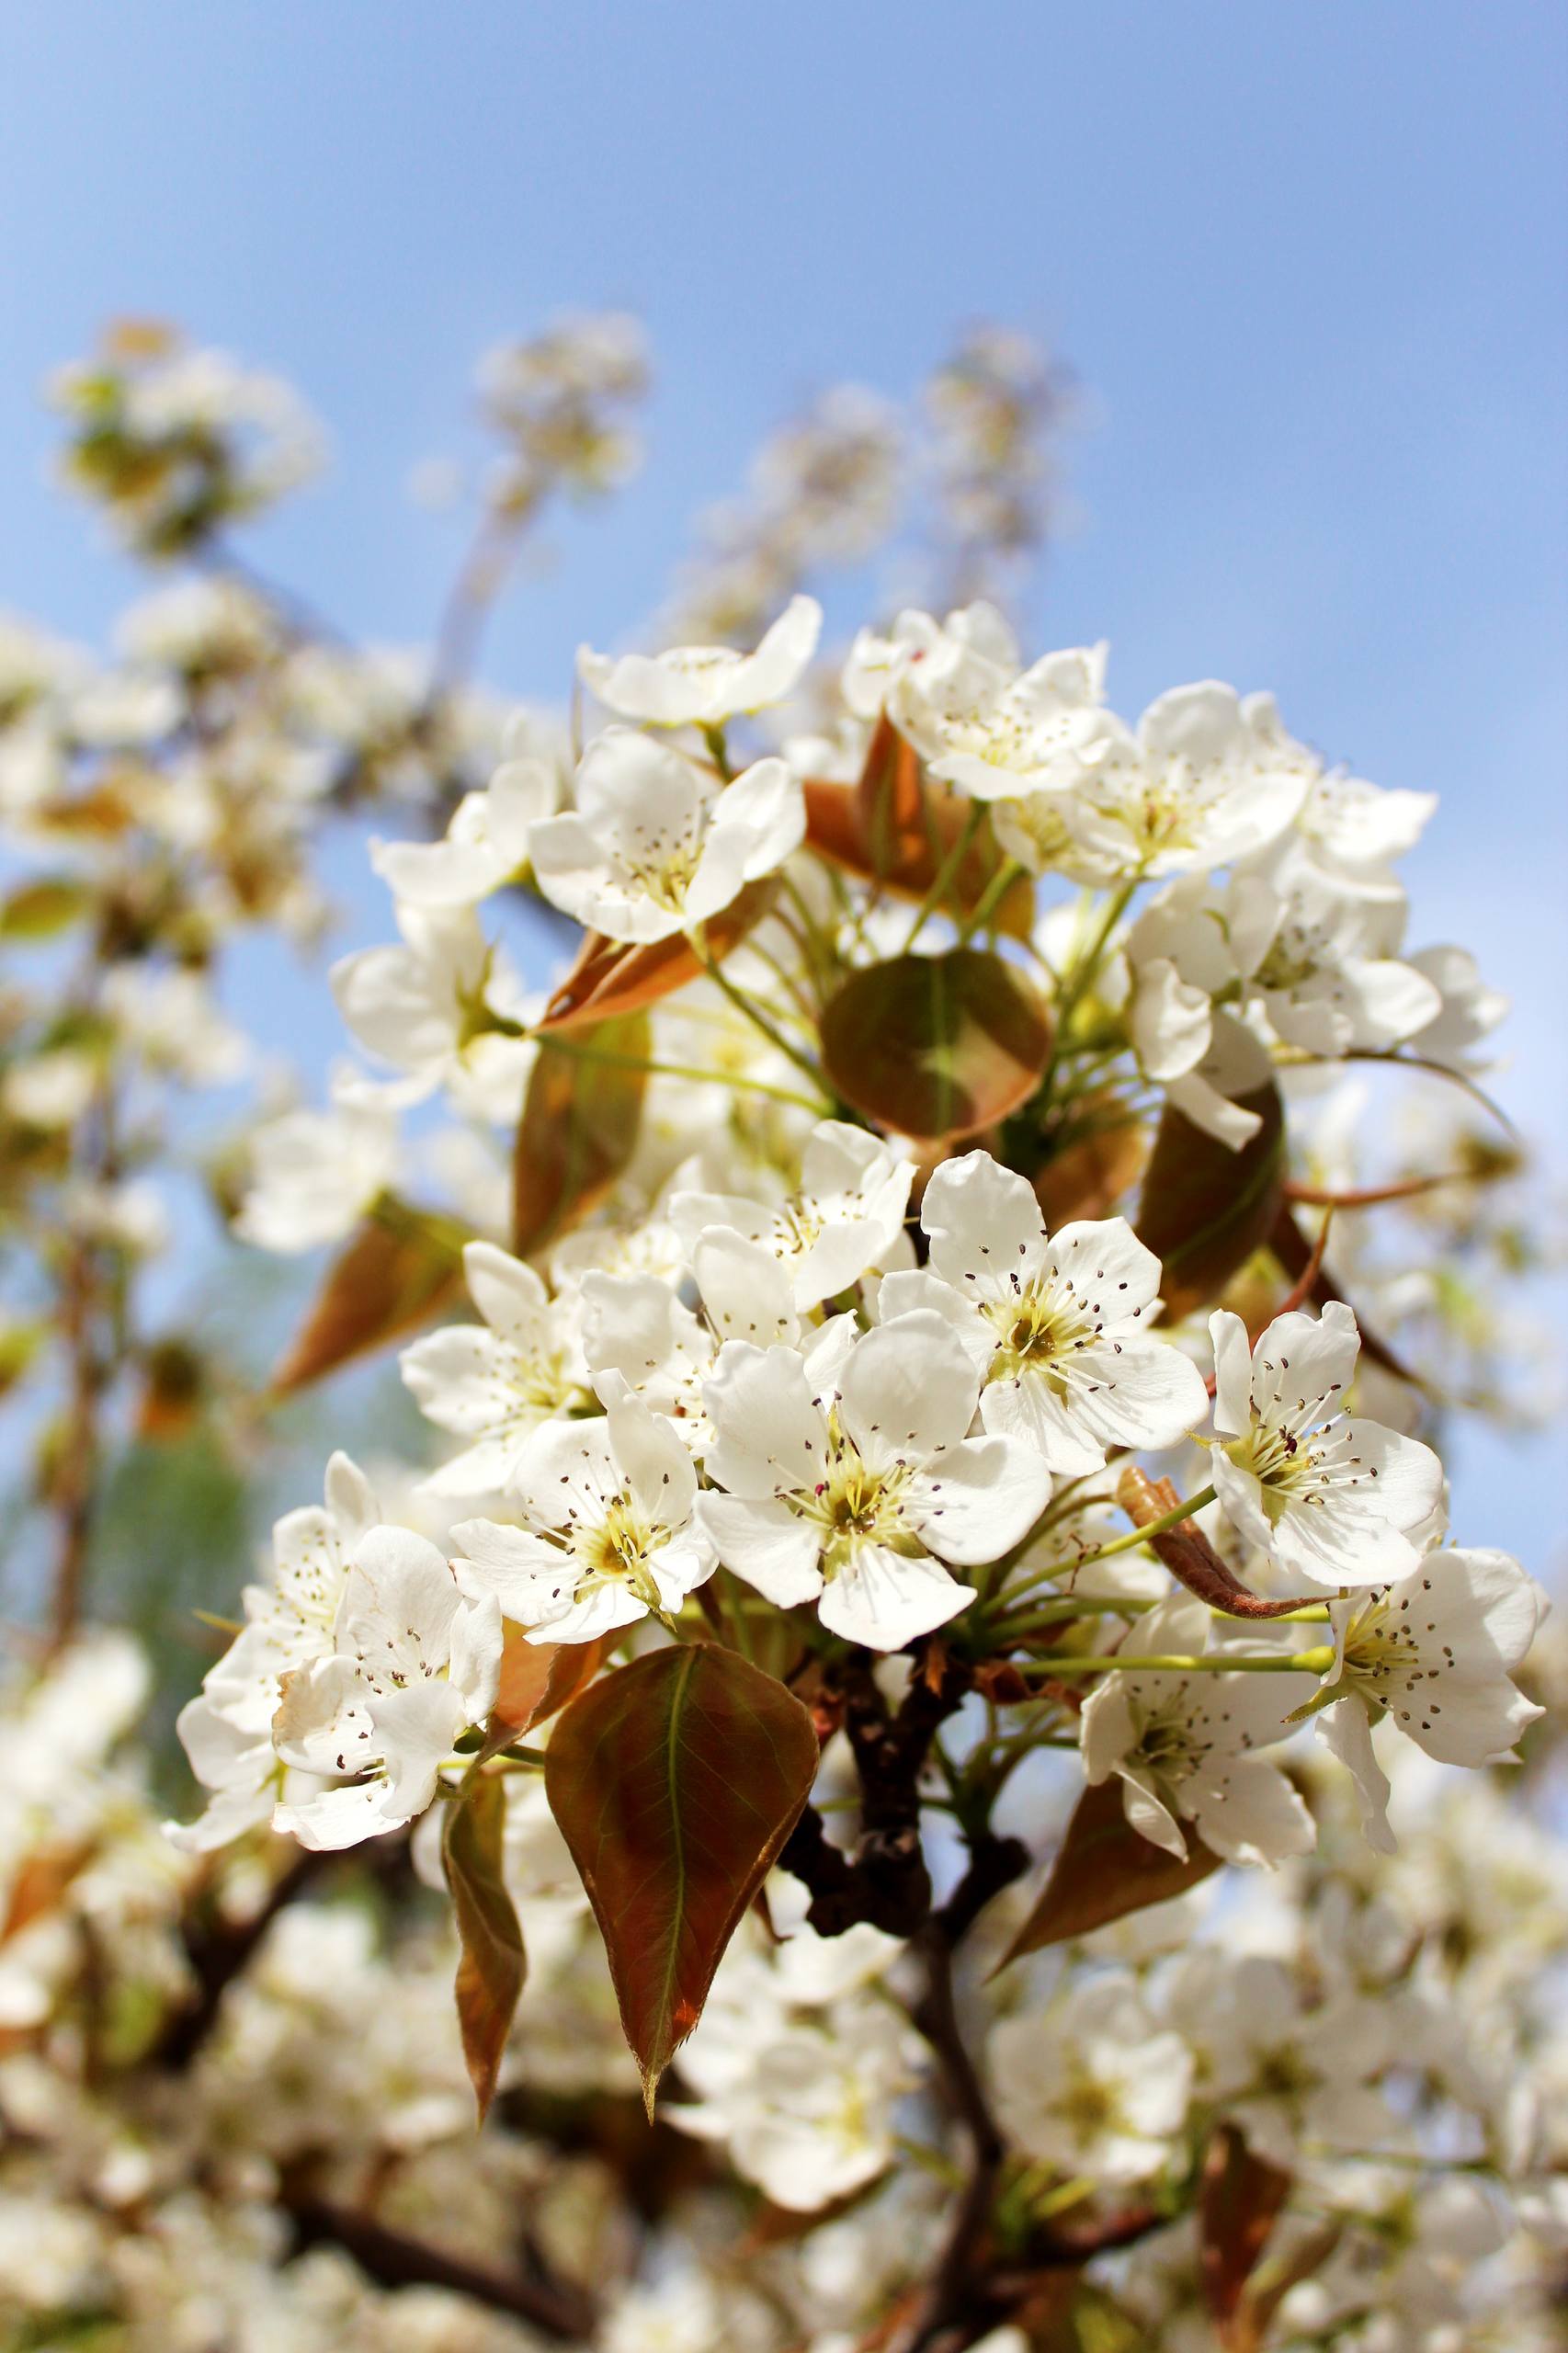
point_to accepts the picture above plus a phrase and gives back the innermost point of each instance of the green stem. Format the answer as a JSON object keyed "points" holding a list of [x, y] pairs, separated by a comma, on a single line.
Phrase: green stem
{"points": [[718, 751], [758, 1019], [1080, 978], [1312, 1662], [995, 891], [946, 874], [656, 1069]]}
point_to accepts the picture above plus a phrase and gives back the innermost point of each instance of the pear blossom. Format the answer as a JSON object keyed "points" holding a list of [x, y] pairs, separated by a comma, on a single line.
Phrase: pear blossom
{"points": [[226, 1731], [846, 1216], [1056, 1325], [609, 1531], [1184, 1747], [1209, 776], [495, 1383], [1355, 829], [485, 844], [414, 1665], [433, 1009], [995, 735], [1312, 954], [704, 685], [892, 669], [1469, 1009], [1327, 1495], [860, 1500], [657, 844], [638, 1331], [1437, 1653], [313, 1174], [805, 2105], [1093, 2088], [1285, 2072]]}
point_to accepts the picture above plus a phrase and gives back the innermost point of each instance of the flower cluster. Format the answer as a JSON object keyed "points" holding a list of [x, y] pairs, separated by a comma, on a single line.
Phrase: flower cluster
{"points": [[863, 1165]]}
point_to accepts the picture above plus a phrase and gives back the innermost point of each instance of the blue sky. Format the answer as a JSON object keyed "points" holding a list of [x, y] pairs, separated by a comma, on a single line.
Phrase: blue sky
{"points": [[1311, 262]]}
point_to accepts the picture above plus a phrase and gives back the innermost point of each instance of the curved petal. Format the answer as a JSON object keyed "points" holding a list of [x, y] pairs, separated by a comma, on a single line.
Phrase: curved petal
{"points": [[978, 1499]]}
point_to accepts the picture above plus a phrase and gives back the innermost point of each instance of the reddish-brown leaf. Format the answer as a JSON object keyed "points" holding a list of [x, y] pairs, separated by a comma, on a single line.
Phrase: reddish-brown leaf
{"points": [[537, 1681], [1239, 2199], [400, 1268], [1205, 1208], [492, 1963], [936, 1046], [612, 976], [1089, 1176], [1248, 2329], [578, 1129], [891, 828], [1104, 1869], [676, 1782]]}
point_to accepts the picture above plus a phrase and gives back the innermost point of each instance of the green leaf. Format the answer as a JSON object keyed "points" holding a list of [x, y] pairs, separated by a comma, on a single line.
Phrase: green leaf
{"points": [[38, 910], [1104, 1869], [1204, 1208], [492, 1963], [676, 1782], [936, 1046], [578, 1129], [402, 1266]]}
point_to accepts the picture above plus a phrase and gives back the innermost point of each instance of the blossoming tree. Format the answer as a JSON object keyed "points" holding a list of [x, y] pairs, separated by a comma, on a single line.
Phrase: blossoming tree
{"points": [[892, 1735]]}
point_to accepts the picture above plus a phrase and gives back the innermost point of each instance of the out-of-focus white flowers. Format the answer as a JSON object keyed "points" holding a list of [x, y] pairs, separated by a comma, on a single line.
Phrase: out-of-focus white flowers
{"points": [[706, 685]]}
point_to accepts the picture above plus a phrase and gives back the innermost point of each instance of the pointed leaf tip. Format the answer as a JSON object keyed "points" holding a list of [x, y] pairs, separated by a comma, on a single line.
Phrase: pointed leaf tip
{"points": [[676, 1782]]}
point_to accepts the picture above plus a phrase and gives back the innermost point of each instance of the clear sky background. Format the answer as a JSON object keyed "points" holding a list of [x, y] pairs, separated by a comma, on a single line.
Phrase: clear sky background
{"points": [[1310, 261]]}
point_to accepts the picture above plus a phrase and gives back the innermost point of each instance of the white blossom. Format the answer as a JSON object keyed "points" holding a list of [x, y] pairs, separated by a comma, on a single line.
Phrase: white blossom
{"points": [[429, 1009], [1093, 2088], [485, 844], [1437, 1653], [846, 1216], [994, 734], [314, 1174], [413, 1665], [1057, 1325], [226, 1731], [609, 1531], [495, 1383], [1209, 776], [858, 1500], [1184, 1747], [656, 844], [704, 685], [1326, 1495]]}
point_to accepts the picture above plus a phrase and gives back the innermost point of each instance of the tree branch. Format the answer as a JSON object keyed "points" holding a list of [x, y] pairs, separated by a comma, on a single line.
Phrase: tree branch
{"points": [[556, 2308]]}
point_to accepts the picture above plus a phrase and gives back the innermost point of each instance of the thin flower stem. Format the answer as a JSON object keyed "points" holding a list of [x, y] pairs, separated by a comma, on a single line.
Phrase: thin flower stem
{"points": [[990, 898], [1082, 974], [754, 1015], [1312, 1662], [719, 752], [1136, 1536], [946, 874], [659, 1069]]}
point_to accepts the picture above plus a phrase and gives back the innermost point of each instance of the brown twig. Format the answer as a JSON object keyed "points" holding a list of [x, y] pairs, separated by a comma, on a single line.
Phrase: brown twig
{"points": [[885, 1881], [219, 1953], [1189, 1556], [555, 2307]]}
